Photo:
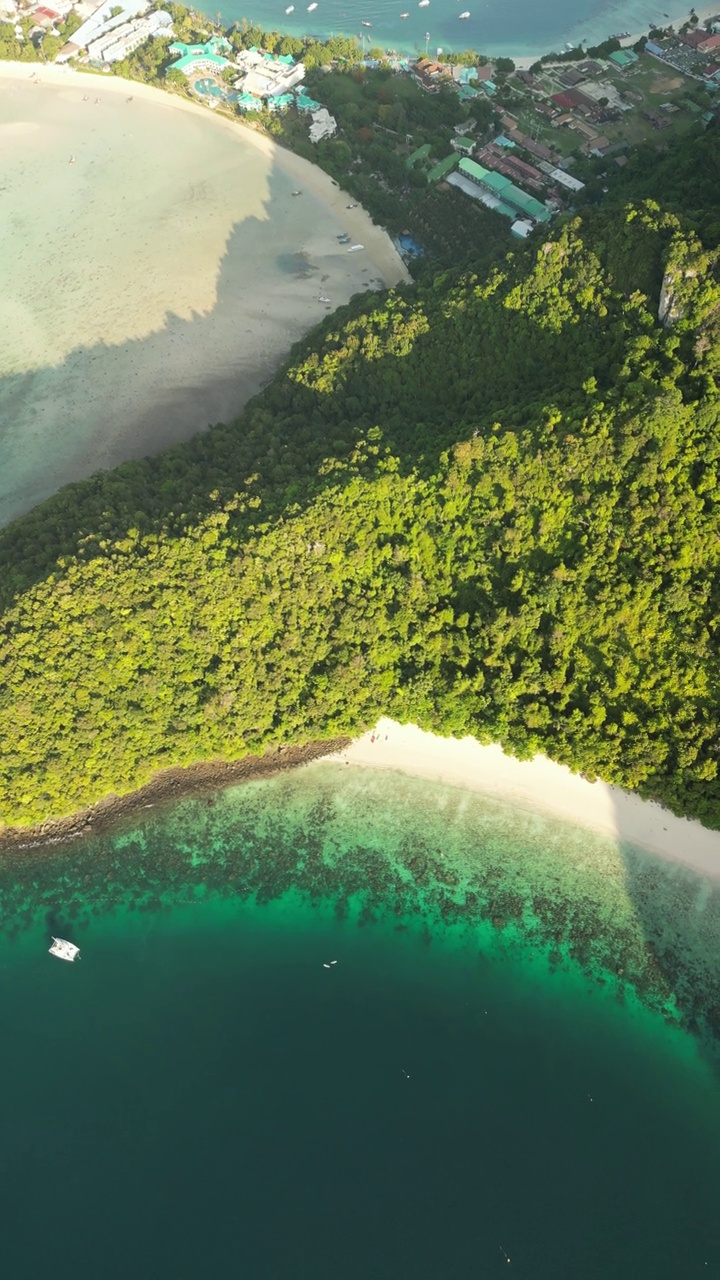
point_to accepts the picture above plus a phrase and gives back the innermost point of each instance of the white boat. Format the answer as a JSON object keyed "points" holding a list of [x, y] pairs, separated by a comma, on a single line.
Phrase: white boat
{"points": [[466, 14], [311, 7], [355, 247], [290, 8], [423, 4], [296, 193], [322, 298], [64, 950], [363, 23], [404, 15]]}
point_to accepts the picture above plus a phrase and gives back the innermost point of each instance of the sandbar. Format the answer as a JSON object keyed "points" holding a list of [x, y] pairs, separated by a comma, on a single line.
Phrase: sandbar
{"points": [[539, 785]]}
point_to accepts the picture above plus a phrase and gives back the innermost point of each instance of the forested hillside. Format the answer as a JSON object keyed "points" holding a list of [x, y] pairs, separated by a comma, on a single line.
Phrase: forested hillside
{"points": [[484, 505]]}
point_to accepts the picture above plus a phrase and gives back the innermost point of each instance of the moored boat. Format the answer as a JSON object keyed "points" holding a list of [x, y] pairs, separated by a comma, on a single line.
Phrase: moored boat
{"points": [[64, 950]]}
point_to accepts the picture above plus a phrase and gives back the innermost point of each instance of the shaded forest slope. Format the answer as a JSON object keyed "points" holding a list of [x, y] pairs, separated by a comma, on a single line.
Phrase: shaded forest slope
{"points": [[486, 505]]}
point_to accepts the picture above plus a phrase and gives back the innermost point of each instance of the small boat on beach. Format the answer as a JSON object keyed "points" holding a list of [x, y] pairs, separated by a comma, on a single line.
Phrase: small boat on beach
{"points": [[355, 248], [296, 193], [64, 950]]}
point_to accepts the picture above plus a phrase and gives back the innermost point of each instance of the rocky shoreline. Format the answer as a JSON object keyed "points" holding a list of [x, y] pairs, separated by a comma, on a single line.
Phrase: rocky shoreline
{"points": [[167, 785]]}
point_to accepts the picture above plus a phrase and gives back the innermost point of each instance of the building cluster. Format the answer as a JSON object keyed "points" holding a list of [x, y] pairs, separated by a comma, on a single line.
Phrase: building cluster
{"points": [[115, 44], [695, 52], [107, 32], [266, 81]]}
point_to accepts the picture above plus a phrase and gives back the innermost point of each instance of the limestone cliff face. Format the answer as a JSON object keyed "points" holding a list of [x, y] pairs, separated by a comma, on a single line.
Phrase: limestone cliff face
{"points": [[671, 308]]}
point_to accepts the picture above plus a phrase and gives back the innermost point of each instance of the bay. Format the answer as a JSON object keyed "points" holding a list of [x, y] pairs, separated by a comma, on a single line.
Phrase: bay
{"points": [[507, 1058], [514, 28]]}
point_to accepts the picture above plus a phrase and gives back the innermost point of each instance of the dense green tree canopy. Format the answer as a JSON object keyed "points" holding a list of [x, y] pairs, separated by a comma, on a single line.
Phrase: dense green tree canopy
{"points": [[488, 505]]}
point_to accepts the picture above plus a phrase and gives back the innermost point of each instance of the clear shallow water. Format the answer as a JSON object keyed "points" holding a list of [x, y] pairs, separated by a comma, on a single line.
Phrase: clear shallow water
{"points": [[473, 1075], [512, 27]]}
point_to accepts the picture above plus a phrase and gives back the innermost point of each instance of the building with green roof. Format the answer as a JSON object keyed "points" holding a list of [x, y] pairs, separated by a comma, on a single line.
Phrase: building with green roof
{"points": [[280, 102], [195, 57], [623, 58], [465, 146], [442, 168], [304, 103], [501, 186], [422, 153], [496, 181]]}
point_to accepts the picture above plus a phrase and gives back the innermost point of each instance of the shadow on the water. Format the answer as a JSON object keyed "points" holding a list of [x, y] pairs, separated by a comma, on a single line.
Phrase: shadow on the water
{"points": [[110, 403], [676, 912], [318, 410]]}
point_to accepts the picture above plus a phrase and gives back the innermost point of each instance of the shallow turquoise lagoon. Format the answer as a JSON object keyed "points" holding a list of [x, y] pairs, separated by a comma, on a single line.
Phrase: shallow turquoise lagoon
{"points": [[513, 1055], [512, 27]]}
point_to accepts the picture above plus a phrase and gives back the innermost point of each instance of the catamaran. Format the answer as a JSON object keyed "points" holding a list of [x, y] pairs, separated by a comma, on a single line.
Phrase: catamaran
{"points": [[64, 950]]}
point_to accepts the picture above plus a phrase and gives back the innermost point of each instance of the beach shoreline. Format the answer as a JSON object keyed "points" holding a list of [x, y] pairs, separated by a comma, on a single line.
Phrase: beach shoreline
{"points": [[359, 223], [166, 786], [538, 786], [155, 272]]}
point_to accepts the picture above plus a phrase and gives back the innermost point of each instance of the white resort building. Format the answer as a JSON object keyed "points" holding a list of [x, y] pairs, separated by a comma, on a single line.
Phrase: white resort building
{"points": [[265, 76], [103, 21], [118, 43], [323, 125]]}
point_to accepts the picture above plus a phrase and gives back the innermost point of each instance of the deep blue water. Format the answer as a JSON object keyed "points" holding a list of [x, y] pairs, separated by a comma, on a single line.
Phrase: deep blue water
{"points": [[199, 1095]]}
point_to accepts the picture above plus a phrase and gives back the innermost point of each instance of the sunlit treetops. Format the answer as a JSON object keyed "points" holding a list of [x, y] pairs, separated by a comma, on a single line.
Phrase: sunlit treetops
{"points": [[488, 506]]}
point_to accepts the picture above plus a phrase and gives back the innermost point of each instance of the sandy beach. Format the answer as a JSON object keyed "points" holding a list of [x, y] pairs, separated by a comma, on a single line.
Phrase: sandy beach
{"points": [[538, 785], [155, 270]]}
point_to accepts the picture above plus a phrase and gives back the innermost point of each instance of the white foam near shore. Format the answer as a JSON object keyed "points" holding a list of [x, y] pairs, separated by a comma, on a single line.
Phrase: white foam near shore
{"points": [[155, 270], [539, 785]]}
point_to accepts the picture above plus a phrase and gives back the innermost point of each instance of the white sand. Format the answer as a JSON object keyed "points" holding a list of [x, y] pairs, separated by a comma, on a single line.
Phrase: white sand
{"points": [[152, 286], [539, 785]]}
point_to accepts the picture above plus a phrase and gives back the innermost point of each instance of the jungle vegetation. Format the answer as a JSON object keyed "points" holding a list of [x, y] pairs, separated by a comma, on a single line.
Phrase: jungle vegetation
{"points": [[487, 504]]}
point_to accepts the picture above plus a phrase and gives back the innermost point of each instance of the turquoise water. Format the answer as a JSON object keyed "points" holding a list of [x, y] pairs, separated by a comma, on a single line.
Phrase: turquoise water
{"points": [[512, 27], [512, 1055]]}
